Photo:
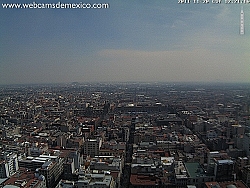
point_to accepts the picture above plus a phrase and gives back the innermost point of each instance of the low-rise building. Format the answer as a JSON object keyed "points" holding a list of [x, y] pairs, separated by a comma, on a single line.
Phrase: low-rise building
{"points": [[95, 181]]}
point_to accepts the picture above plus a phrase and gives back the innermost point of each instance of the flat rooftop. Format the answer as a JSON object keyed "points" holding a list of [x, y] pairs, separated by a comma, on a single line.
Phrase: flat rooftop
{"points": [[195, 170]]}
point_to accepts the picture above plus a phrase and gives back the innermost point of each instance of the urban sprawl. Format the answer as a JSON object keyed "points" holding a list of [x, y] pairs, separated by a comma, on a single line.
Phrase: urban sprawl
{"points": [[125, 135]]}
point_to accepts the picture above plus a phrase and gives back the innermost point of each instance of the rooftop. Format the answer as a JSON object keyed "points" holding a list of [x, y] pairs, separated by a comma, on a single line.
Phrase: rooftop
{"points": [[143, 180], [194, 170]]}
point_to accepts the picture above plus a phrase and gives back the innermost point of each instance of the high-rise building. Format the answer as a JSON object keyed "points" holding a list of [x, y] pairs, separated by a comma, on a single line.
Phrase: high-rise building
{"points": [[50, 166], [52, 169], [8, 164], [246, 175], [223, 170], [246, 143], [92, 146]]}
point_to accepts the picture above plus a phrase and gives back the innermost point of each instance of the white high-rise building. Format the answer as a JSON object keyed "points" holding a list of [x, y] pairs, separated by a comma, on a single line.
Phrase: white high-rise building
{"points": [[8, 164]]}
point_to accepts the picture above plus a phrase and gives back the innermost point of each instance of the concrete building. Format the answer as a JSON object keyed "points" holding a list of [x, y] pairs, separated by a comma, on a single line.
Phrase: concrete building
{"points": [[108, 164], [191, 174], [52, 169], [211, 134], [24, 178], [95, 181], [246, 175], [50, 166], [8, 164], [37, 149], [197, 176], [65, 184], [69, 169], [246, 143], [181, 175], [223, 170], [211, 162], [240, 163], [92, 146]]}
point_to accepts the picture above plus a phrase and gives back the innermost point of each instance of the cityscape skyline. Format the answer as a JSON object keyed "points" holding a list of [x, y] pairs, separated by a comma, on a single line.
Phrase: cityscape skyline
{"points": [[129, 41], [125, 136]]}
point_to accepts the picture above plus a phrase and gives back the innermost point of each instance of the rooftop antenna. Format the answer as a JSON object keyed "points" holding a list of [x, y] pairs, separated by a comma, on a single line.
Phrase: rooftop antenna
{"points": [[242, 24]]}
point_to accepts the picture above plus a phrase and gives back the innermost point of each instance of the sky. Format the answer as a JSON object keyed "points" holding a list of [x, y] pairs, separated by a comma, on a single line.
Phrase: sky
{"points": [[131, 41]]}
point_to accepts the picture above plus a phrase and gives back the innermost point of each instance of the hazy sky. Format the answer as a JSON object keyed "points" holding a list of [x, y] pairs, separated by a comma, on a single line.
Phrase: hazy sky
{"points": [[132, 40]]}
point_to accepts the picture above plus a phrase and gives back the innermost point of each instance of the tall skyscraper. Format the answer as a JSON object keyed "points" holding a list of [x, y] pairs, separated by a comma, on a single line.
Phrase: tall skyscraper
{"points": [[242, 26]]}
